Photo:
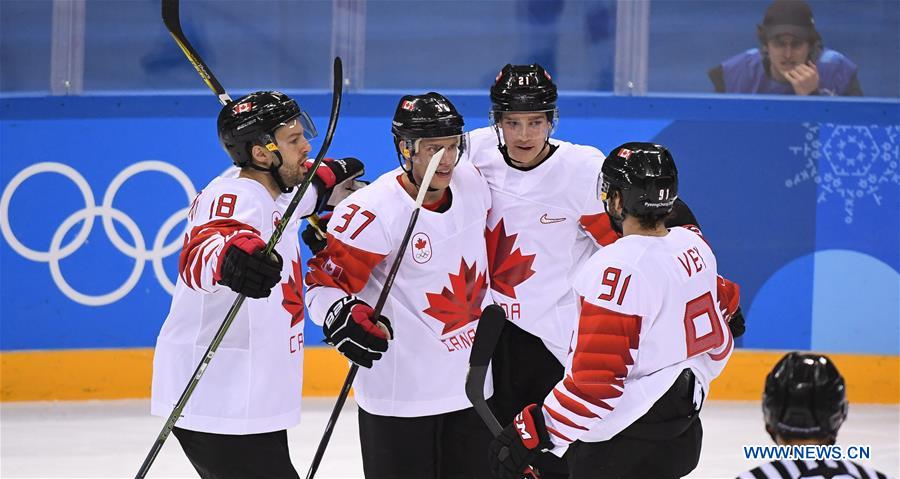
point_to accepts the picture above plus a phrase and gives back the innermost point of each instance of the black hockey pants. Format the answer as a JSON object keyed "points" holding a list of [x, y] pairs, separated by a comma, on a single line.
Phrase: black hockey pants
{"points": [[664, 443], [221, 456], [524, 372], [452, 445]]}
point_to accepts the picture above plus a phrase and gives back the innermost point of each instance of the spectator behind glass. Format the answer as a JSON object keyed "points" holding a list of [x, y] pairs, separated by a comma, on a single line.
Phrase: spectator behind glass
{"points": [[790, 59], [805, 403]]}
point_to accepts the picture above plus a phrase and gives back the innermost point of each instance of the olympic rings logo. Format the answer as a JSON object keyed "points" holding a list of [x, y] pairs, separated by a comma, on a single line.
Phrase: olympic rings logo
{"points": [[107, 213]]}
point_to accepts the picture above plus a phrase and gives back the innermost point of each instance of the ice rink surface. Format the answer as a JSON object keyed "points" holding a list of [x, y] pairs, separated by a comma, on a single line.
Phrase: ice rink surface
{"points": [[99, 439]]}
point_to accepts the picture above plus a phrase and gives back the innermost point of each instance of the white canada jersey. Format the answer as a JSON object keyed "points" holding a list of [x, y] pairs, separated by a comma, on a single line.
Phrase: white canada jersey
{"points": [[437, 296], [543, 223], [649, 309], [253, 384]]}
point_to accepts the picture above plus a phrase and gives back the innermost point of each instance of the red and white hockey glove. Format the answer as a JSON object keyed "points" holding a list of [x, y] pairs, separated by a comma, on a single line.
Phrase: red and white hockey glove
{"points": [[335, 180], [350, 327], [519, 444], [245, 268]]}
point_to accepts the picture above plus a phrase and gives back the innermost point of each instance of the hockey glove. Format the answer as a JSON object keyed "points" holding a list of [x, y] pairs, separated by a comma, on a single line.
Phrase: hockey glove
{"points": [[245, 268], [350, 327], [311, 236], [519, 444], [736, 323], [335, 180]]}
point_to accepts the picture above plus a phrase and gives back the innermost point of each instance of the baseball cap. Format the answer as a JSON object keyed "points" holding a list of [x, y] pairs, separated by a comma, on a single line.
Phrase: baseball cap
{"points": [[789, 16]]}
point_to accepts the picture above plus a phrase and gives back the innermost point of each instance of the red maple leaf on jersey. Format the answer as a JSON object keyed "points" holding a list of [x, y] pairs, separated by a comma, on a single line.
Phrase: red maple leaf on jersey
{"points": [[508, 268], [420, 243], [293, 295], [461, 303]]}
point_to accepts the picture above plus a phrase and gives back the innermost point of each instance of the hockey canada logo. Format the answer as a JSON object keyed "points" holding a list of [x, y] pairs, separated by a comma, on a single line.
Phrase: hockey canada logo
{"points": [[508, 268], [460, 304], [421, 248]]}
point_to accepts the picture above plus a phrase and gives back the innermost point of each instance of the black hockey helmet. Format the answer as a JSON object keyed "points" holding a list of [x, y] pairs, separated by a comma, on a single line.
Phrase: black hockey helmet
{"points": [[252, 118], [805, 397], [430, 115], [523, 88], [645, 174]]}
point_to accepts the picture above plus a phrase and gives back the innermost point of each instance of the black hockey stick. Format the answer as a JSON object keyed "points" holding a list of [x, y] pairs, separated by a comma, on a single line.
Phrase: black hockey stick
{"points": [[170, 8], [486, 336], [490, 326], [382, 298], [172, 18]]}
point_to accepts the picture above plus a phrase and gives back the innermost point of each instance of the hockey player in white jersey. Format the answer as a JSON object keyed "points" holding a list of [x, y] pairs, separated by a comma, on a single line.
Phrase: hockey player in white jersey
{"points": [[544, 222], [236, 420], [415, 420], [649, 339], [805, 403]]}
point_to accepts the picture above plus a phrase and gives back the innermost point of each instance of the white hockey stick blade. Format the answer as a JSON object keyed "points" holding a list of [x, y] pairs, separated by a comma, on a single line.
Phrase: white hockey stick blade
{"points": [[429, 173]]}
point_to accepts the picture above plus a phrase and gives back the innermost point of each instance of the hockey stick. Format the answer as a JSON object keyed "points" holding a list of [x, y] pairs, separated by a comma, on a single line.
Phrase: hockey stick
{"points": [[382, 298], [486, 336], [172, 19], [490, 326], [169, 8]]}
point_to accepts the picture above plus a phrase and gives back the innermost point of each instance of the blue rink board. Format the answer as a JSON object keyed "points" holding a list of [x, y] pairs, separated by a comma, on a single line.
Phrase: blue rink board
{"points": [[798, 197]]}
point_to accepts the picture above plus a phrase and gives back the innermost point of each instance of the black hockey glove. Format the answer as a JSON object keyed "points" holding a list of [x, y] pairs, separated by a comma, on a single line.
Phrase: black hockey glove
{"points": [[510, 453], [245, 269], [736, 323], [350, 328], [311, 236], [335, 180]]}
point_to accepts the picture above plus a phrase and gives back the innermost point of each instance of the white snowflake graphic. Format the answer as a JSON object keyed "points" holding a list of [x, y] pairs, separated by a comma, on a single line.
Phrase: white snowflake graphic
{"points": [[849, 162]]}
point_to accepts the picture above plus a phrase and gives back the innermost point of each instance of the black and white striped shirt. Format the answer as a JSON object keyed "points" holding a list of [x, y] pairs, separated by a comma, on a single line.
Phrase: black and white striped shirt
{"points": [[786, 469]]}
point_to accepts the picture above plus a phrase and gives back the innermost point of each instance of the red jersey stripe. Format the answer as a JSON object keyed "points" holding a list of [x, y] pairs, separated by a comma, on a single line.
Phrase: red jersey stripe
{"points": [[342, 266], [558, 434], [562, 418], [602, 353], [599, 320], [572, 387], [189, 262], [599, 227], [573, 405], [729, 294]]}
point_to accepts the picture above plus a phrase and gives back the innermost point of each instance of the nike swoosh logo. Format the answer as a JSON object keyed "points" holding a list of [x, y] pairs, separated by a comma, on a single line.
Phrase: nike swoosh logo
{"points": [[547, 220]]}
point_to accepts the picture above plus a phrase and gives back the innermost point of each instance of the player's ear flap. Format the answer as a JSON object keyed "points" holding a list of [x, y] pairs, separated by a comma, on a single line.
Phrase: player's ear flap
{"points": [[404, 149]]}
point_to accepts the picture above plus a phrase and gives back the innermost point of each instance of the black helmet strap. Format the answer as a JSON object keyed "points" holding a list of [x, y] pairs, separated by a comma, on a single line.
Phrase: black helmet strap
{"points": [[268, 142], [402, 159], [615, 221]]}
